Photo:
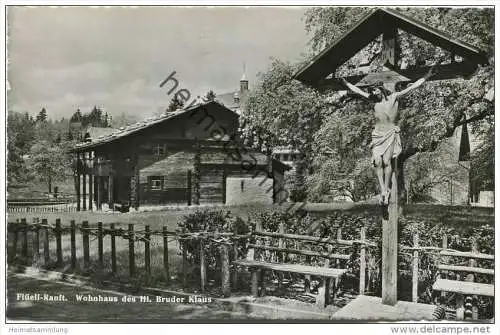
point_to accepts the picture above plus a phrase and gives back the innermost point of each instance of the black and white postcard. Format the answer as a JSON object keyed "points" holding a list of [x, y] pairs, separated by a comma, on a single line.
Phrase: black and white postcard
{"points": [[250, 164]]}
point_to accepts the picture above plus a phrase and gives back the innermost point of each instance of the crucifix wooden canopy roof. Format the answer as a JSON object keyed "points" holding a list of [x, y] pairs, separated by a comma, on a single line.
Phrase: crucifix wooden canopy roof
{"points": [[387, 21]]}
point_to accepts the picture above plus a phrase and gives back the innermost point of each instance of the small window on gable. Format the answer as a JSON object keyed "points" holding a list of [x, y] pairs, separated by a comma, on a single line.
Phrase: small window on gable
{"points": [[160, 150], [155, 183]]}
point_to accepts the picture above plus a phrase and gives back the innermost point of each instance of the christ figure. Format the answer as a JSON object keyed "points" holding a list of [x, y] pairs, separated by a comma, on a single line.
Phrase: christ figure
{"points": [[386, 142]]}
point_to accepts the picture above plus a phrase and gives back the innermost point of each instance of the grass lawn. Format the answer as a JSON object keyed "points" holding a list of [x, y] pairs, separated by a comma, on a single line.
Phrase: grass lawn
{"points": [[454, 216], [155, 219], [39, 189]]}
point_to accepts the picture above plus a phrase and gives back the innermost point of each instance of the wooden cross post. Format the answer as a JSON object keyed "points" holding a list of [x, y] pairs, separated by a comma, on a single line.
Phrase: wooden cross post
{"points": [[390, 245], [390, 54], [390, 216]]}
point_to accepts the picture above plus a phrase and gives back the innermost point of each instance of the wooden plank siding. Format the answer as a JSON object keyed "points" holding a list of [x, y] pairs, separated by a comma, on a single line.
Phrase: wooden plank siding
{"points": [[163, 150]]}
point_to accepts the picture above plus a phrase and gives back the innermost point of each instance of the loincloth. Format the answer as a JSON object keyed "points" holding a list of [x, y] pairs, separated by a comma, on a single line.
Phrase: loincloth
{"points": [[384, 141]]}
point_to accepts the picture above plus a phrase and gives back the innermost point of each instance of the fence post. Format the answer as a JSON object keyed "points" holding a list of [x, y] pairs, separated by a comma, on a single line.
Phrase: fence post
{"points": [[443, 274], [100, 244], [46, 244], [281, 255], [165, 255], [14, 241], [25, 240], [256, 273], [189, 189], [235, 267], [36, 240], [203, 269], [184, 263], [339, 237], [131, 250], [460, 306], [362, 262], [84, 183], [224, 176], [73, 244], [226, 286], [58, 243], [415, 268], [147, 251], [473, 310], [86, 244], [113, 248]]}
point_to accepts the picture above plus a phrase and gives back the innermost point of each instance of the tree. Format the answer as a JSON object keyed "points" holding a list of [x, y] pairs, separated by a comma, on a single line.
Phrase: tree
{"points": [[175, 104], [431, 113], [283, 112], [334, 131], [210, 96], [427, 171], [20, 137], [44, 131], [48, 161], [76, 117], [69, 135], [42, 116], [482, 171], [341, 162], [106, 121], [15, 161]]}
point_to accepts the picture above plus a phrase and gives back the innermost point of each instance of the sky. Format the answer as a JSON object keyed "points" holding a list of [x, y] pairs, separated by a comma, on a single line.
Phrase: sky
{"points": [[68, 58]]}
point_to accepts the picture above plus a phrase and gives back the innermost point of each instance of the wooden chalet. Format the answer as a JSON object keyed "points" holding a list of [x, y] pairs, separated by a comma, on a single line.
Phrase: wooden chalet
{"points": [[183, 157]]}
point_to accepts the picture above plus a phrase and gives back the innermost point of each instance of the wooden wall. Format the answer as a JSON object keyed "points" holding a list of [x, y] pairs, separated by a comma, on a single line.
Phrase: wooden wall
{"points": [[172, 166]]}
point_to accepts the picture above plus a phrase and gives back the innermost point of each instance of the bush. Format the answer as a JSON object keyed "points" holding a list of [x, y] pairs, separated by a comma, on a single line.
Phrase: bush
{"points": [[211, 221]]}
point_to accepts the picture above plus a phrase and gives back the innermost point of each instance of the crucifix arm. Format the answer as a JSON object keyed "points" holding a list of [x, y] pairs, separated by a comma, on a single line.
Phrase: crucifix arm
{"points": [[418, 83], [355, 89], [410, 88]]}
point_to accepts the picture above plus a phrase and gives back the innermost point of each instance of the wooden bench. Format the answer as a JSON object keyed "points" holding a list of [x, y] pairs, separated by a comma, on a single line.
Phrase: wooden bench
{"points": [[464, 287], [329, 276], [468, 290]]}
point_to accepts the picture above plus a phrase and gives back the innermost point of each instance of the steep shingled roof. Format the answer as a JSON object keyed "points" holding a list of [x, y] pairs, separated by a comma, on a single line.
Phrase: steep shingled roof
{"points": [[96, 132], [139, 126]]}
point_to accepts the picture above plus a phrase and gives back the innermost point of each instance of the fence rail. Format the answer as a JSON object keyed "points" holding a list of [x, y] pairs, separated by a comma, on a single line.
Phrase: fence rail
{"points": [[25, 237]]}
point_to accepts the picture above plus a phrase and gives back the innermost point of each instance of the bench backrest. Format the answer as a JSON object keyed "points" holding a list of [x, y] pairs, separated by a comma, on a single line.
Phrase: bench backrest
{"points": [[472, 268], [281, 249]]}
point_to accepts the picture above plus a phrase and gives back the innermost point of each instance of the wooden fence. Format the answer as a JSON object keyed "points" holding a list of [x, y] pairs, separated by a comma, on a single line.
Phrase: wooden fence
{"points": [[40, 231]]}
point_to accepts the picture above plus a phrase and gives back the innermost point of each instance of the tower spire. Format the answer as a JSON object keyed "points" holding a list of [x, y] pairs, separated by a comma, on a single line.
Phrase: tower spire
{"points": [[244, 80]]}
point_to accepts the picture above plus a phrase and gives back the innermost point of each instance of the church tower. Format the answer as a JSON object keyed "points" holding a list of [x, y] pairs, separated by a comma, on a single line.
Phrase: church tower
{"points": [[243, 82]]}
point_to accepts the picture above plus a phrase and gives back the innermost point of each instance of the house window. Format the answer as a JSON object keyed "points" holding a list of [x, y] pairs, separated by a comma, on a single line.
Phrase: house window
{"points": [[160, 150], [155, 183]]}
